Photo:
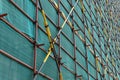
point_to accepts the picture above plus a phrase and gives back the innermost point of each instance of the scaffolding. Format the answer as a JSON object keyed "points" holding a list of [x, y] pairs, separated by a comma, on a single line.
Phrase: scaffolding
{"points": [[59, 40]]}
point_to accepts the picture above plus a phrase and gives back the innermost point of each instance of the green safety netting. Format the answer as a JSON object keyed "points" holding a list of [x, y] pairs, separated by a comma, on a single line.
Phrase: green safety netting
{"points": [[18, 46]]}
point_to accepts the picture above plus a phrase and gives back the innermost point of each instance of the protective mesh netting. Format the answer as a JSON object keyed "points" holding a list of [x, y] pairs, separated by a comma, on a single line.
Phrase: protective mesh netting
{"points": [[93, 26]]}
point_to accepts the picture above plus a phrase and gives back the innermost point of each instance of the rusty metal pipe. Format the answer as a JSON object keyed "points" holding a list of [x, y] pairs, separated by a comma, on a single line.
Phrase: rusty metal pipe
{"points": [[2, 15], [36, 37], [93, 45], [59, 42], [74, 43]]}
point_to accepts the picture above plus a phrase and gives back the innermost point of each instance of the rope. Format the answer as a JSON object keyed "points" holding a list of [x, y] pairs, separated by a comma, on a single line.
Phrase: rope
{"points": [[82, 6], [91, 40], [107, 2], [51, 49], [97, 64], [49, 34]]}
